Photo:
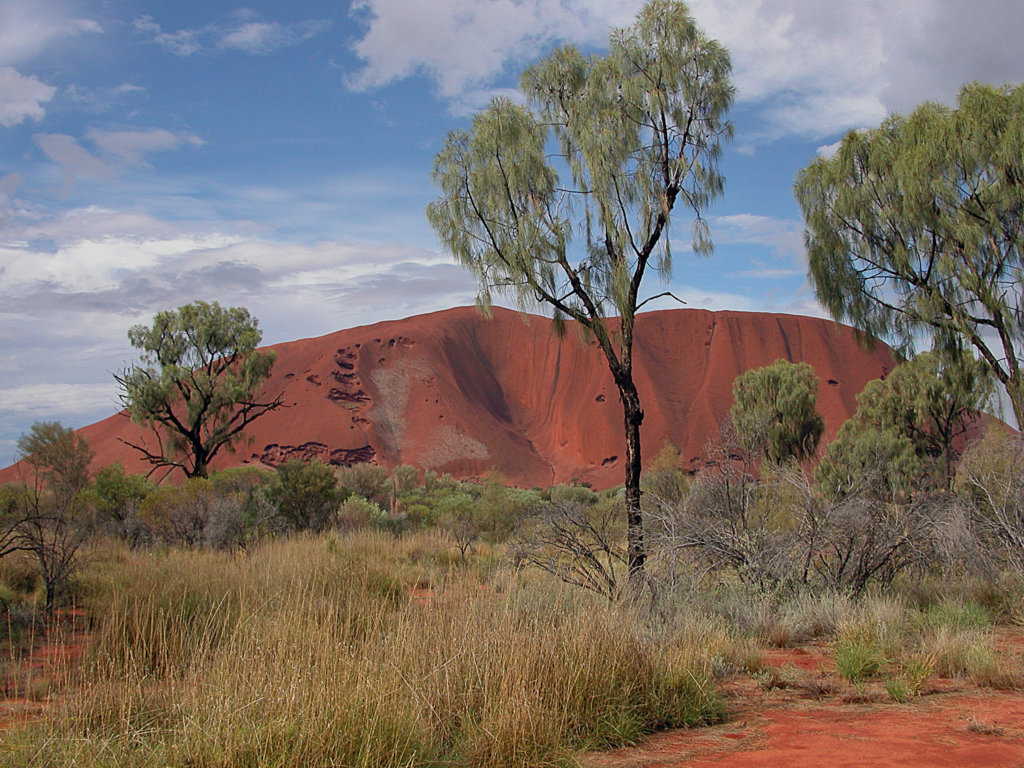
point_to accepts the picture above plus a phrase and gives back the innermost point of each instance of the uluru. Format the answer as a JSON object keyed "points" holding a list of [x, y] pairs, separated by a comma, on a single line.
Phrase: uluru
{"points": [[455, 391]]}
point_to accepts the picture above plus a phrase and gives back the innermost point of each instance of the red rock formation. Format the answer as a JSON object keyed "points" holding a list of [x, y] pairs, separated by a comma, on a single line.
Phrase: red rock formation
{"points": [[456, 392]]}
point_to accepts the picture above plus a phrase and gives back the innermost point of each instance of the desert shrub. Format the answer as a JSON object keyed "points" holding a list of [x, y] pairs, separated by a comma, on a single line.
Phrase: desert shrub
{"points": [[404, 479], [305, 496], [367, 480], [990, 479], [460, 516], [573, 494], [116, 497], [356, 512], [728, 520], [52, 511], [177, 514], [580, 544], [502, 509], [222, 511], [663, 482]]}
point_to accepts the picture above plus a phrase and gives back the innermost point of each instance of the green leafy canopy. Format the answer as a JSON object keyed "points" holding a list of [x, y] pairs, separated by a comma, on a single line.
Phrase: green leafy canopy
{"points": [[198, 383], [915, 228]]}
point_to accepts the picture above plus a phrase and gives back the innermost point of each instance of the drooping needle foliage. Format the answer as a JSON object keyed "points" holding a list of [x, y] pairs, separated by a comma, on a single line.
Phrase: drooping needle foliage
{"points": [[915, 228], [566, 202]]}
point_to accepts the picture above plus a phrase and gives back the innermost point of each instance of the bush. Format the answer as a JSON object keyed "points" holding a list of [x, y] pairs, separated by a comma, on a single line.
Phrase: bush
{"points": [[117, 497], [306, 496], [990, 479]]}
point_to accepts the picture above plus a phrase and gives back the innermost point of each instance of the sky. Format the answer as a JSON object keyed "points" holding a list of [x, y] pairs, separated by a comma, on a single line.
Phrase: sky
{"points": [[277, 156]]}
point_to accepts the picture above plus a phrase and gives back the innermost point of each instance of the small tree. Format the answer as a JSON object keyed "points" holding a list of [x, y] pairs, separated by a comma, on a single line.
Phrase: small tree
{"points": [[638, 131], [54, 507], [116, 497], [198, 386], [918, 227], [305, 495], [905, 429], [774, 410]]}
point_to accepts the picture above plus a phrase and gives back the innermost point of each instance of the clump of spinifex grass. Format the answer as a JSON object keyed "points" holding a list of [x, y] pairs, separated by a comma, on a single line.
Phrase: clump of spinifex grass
{"points": [[309, 652]]}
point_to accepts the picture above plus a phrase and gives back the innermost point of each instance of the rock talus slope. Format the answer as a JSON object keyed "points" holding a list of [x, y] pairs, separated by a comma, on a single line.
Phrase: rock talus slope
{"points": [[457, 392]]}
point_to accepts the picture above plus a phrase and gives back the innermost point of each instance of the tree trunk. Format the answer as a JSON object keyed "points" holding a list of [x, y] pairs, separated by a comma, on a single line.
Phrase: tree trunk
{"points": [[1015, 391], [633, 417]]}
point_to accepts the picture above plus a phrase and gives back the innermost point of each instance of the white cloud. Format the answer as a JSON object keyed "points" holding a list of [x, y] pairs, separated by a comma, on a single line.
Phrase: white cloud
{"points": [[75, 159], [464, 44], [65, 308], [808, 68], [21, 97], [828, 151], [27, 27], [41, 400], [130, 146], [118, 150], [245, 33], [260, 37], [783, 236]]}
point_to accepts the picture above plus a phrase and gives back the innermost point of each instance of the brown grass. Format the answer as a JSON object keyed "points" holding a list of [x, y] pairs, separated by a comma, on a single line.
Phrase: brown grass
{"points": [[312, 652]]}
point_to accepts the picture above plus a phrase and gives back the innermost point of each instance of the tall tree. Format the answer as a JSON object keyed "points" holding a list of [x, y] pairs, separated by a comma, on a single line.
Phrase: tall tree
{"points": [[198, 386], [775, 410], [638, 131], [916, 227]]}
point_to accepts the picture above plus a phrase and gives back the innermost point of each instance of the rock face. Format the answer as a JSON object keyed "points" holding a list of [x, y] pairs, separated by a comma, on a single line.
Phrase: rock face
{"points": [[457, 392]]}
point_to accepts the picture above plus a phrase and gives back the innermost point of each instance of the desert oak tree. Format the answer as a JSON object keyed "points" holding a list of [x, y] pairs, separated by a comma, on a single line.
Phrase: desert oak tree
{"points": [[916, 226], [637, 132], [198, 385], [775, 413]]}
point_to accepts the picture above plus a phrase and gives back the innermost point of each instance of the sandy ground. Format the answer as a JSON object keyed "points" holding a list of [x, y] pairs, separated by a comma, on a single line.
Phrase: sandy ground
{"points": [[820, 723]]}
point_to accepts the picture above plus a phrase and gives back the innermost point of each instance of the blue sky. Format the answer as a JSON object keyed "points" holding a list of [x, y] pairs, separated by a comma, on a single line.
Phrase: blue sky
{"points": [[278, 155]]}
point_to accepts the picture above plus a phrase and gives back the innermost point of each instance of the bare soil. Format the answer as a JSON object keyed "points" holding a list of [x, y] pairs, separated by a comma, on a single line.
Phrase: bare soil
{"points": [[815, 720]]}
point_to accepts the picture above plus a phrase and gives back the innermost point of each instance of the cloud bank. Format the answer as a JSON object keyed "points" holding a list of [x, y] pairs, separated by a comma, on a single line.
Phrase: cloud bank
{"points": [[813, 69]]}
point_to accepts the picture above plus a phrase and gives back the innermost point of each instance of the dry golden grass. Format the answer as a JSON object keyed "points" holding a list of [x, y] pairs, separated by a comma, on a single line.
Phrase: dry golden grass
{"points": [[315, 652]]}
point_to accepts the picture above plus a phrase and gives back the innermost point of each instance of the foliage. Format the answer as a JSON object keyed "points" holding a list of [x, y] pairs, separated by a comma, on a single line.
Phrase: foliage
{"points": [[306, 496], [116, 497], [774, 410], [638, 130], [577, 543], [990, 477], [54, 506], [12, 513], [780, 533], [916, 226], [357, 512], [663, 480], [903, 436], [367, 480], [198, 385]]}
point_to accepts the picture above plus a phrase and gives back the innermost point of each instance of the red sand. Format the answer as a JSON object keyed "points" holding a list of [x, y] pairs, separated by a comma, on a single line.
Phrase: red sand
{"points": [[954, 731], [955, 726], [457, 392]]}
